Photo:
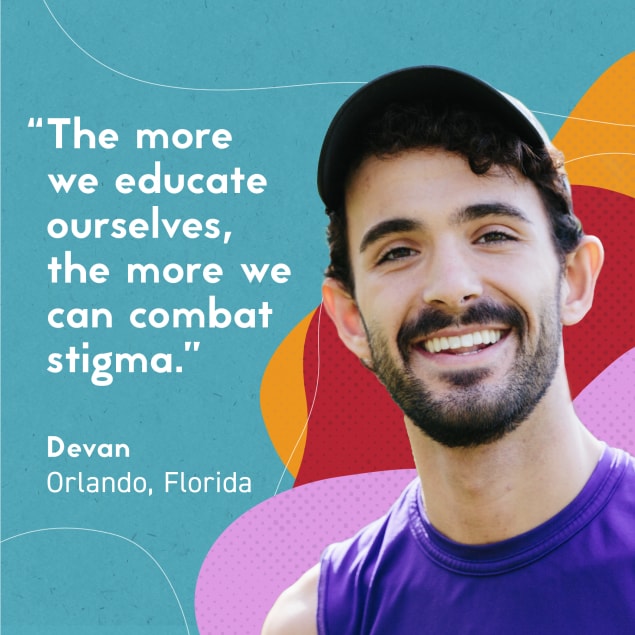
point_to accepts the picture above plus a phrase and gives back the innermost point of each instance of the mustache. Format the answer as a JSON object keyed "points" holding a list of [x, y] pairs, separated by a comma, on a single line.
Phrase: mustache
{"points": [[431, 319]]}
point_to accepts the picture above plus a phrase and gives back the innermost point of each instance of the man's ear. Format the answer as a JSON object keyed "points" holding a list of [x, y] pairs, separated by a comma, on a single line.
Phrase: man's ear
{"points": [[343, 310], [582, 268]]}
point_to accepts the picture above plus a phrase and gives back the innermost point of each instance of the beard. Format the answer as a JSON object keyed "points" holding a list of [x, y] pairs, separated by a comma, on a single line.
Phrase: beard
{"points": [[474, 414]]}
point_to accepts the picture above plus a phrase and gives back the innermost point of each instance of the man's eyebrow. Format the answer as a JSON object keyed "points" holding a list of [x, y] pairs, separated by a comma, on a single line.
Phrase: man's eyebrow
{"points": [[392, 226], [480, 210], [464, 215]]}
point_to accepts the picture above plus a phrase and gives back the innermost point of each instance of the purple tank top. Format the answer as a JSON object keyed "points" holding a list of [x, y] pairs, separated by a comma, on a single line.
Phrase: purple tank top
{"points": [[575, 574]]}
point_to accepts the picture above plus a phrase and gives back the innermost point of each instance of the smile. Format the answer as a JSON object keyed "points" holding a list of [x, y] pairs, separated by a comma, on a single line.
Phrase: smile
{"points": [[466, 343]]}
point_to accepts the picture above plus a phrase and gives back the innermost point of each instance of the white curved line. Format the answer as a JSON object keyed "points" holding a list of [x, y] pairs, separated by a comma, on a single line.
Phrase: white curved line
{"points": [[305, 85], [208, 90], [602, 154], [108, 533], [605, 123], [315, 392]]}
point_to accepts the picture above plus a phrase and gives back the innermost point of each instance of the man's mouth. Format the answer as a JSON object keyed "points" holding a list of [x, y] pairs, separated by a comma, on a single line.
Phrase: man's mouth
{"points": [[462, 344]]}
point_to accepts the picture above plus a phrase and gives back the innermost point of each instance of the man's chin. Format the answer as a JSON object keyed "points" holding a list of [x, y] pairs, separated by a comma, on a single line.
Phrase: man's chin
{"points": [[453, 434], [465, 378]]}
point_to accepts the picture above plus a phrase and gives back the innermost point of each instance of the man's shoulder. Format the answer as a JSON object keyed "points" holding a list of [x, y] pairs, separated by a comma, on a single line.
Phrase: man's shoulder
{"points": [[295, 611]]}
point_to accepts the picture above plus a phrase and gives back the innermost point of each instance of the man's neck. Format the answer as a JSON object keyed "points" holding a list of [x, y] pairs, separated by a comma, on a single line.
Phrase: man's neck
{"points": [[502, 489]]}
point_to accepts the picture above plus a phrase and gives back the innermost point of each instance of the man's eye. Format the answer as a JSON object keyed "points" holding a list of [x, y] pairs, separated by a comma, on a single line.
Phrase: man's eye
{"points": [[397, 253], [495, 237]]}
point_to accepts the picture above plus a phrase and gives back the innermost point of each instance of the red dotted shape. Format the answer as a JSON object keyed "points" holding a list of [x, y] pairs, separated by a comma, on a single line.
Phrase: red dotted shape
{"points": [[608, 330], [355, 427]]}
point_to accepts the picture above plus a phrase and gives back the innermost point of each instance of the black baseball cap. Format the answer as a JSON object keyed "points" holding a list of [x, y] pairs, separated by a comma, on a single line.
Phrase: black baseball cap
{"points": [[417, 83]]}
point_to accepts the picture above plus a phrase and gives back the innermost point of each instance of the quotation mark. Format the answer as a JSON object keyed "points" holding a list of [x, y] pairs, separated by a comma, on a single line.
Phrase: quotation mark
{"points": [[189, 346], [35, 123]]}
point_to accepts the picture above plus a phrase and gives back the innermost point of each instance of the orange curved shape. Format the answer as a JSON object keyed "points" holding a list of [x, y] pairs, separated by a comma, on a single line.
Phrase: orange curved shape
{"points": [[598, 137], [283, 400]]}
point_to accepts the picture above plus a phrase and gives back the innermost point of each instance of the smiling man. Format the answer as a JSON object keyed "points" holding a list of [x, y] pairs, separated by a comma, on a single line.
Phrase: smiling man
{"points": [[456, 259]]}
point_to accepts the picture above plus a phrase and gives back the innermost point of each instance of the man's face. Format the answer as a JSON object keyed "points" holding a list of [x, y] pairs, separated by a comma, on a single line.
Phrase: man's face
{"points": [[458, 288]]}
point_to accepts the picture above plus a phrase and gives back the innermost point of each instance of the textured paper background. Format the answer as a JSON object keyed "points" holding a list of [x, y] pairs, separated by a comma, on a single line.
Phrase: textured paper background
{"points": [[130, 563]]}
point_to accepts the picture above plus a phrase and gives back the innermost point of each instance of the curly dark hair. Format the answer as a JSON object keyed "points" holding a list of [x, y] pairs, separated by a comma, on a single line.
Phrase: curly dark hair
{"points": [[473, 135]]}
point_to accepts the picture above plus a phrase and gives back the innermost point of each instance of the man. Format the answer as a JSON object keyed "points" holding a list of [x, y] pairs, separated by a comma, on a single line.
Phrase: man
{"points": [[455, 261]]}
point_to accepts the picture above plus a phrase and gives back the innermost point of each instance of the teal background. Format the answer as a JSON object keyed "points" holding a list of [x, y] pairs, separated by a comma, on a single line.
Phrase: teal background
{"points": [[176, 65]]}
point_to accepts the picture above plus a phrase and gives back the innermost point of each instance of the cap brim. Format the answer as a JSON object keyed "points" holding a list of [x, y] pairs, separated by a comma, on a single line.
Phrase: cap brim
{"points": [[407, 85]]}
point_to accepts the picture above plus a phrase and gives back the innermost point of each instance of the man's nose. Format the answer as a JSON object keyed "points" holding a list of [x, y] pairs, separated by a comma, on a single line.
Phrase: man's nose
{"points": [[451, 279]]}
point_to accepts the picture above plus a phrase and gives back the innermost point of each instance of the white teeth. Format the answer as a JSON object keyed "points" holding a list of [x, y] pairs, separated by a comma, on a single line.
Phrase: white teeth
{"points": [[438, 344], [467, 340]]}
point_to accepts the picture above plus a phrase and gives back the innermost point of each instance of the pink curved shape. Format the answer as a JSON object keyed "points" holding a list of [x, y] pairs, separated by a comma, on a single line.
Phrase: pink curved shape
{"points": [[607, 404], [271, 545]]}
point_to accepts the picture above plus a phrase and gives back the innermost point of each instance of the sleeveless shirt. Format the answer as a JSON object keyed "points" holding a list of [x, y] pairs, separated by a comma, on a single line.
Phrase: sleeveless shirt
{"points": [[573, 574]]}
